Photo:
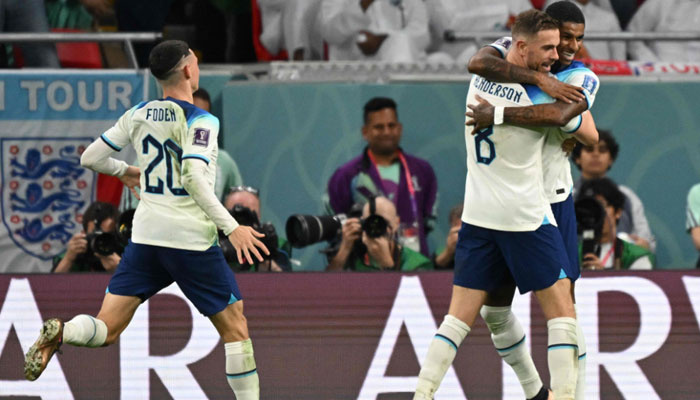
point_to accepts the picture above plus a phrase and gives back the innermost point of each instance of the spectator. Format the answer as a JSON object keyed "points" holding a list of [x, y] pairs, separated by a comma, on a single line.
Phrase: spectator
{"points": [[666, 16], [468, 15], [302, 29], [692, 224], [595, 162], [375, 30], [227, 173], [80, 255], [294, 25], [382, 251], [445, 259], [28, 16], [600, 20], [613, 251], [244, 204], [382, 170]]}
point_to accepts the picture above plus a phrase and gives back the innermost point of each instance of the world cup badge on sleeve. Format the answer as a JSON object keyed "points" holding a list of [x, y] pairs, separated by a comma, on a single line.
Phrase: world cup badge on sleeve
{"points": [[201, 137], [45, 192]]}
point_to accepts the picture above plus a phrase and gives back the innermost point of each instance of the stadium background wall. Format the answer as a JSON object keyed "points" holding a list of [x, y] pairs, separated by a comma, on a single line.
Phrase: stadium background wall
{"points": [[288, 138], [350, 336]]}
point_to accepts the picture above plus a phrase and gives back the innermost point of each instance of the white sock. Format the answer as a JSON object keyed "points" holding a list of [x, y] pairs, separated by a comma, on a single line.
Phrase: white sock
{"points": [[581, 381], [84, 330], [562, 356], [508, 337], [441, 353], [241, 373]]}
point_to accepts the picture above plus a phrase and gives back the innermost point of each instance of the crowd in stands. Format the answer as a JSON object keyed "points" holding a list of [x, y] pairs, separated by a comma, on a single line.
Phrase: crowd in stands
{"points": [[372, 30]]}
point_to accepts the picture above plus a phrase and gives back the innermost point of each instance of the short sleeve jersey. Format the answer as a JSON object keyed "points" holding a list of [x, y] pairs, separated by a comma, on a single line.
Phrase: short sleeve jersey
{"points": [[558, 182], [504, 189], [164, 133]]}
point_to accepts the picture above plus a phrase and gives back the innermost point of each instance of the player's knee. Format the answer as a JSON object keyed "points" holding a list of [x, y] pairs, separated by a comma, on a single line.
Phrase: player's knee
{"points": [[495, 317]]}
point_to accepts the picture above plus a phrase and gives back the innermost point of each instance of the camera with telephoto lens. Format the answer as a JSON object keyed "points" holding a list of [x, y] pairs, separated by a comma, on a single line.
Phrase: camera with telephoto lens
{"points": [[304, 230], [245, 216], [590, 217], [106, 243]]}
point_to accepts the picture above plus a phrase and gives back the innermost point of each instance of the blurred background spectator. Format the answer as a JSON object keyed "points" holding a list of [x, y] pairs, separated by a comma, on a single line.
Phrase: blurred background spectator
{"points": [[611, 251], [666, 16], [27, 16], [692, 223], [377, 30], [468, 15], [595, 162]]}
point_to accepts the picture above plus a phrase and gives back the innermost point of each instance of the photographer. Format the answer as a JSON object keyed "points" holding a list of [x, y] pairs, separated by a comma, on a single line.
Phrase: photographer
{"points": [[80, 255], [377, 232], [599, 206], [243, 202]]}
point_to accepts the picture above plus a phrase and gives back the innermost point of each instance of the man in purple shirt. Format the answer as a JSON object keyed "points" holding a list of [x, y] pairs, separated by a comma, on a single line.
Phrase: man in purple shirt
{"points": [[384, 169]]}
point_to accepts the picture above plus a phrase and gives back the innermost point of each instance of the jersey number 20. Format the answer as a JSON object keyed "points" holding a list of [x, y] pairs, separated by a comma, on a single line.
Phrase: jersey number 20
{"points": [[169, 151], [481, 139]]}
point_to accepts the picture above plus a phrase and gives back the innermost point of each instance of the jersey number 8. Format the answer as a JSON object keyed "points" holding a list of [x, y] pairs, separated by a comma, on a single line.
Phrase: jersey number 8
{"points": [[482, 139]]}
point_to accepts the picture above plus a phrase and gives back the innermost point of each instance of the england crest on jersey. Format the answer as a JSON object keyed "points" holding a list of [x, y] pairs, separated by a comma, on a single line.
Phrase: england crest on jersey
{"points": [[45, 192]]}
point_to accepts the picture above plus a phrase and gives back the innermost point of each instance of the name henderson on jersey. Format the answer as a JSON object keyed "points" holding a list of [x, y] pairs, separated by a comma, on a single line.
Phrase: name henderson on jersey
{"points": [[496, 89], [160, 114]]}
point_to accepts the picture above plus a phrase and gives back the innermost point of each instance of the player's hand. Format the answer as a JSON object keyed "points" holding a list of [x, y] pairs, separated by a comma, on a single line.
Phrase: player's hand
{"points": [[560, 90], [110, 262], [451, 242], [568, 145], [352, 231], [76, 245], [591, 262], [379, 250], [245, 240], [371, 44], [481, 115], [132, 180], [639, 241]]}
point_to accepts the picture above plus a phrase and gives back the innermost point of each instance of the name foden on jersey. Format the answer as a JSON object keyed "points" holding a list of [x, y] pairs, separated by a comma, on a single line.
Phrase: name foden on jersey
{"points": [[160, 114], [496, 89]]}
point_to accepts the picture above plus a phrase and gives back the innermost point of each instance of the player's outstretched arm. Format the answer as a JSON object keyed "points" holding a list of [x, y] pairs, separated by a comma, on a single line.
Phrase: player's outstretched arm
{"points": [[243, 238], [489, 63]]}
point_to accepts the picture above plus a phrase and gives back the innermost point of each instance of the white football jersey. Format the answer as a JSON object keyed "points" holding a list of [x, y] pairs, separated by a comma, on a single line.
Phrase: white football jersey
{"points": [[558, 182], [163, 133], [504, 189]]}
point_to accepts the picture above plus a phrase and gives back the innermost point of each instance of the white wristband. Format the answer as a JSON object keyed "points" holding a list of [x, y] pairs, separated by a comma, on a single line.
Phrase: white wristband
{"points": [[498, 115]]}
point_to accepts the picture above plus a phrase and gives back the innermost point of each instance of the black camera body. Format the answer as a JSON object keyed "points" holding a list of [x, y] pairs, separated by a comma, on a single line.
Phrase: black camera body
{"points": [[103, 243], [245, 216], [590, 217]]}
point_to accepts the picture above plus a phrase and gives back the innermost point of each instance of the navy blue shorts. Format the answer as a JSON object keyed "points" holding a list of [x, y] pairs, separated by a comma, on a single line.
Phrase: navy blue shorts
{"points": [[565, 215], [488, 259], [203, 276]]}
